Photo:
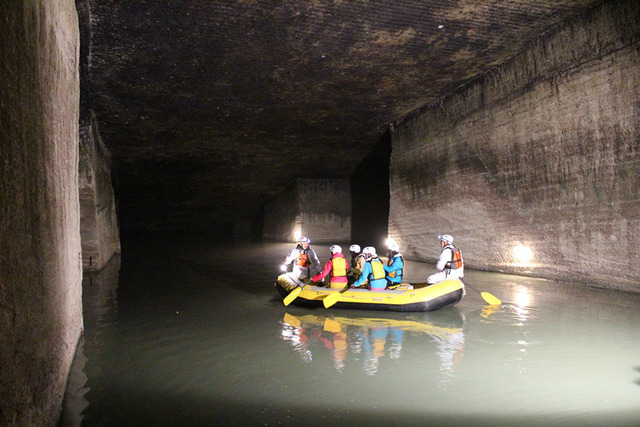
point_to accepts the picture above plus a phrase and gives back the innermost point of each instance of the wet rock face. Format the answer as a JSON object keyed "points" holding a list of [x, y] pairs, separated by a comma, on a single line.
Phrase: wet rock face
{"points": [[40, 260], [210, 108], [543, 154], [98, 222]]}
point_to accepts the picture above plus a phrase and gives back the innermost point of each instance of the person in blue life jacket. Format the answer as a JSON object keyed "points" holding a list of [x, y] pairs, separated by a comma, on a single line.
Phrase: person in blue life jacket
{"points": [[302, 261], [449, 263], [395, 265], [373, 271]]}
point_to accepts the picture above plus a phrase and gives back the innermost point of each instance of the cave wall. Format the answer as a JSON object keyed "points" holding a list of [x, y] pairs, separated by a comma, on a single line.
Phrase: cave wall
{"points": [[319, 208], [98, 221], [543, 152], [40, 260]]}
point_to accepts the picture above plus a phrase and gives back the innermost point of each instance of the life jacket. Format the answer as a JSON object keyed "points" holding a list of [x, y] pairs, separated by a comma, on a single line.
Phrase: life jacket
{"points": [[456, 258], [394, 273], [339, 267], [378, 270], [303, 258]]}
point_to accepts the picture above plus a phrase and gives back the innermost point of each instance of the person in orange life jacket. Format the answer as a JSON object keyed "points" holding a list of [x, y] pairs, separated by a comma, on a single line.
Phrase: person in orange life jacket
{"points": [[449, 263], [304, 259], [395, 266], [373, 271], [357, 262], [337, 266]]}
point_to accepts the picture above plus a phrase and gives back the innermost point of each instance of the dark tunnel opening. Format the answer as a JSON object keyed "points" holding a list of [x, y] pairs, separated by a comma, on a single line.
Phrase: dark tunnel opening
{"points": [[370, 195]]}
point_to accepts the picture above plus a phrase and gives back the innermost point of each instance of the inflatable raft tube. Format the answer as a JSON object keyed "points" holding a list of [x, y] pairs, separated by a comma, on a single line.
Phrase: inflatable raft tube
{"points": [[407, 297]]}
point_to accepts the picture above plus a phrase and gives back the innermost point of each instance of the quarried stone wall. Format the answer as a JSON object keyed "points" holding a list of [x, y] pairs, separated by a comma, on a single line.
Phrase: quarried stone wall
{"points": [[40, 256], [326, 209], [98, 222], [282, 215], [542, 153], [318, 208]]}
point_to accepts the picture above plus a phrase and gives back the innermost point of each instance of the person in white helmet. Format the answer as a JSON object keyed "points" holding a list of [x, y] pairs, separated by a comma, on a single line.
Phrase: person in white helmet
{"points": [[337, 266], [302, 260], [395, 266], [373, 271], [449, 263], [357, 263]]}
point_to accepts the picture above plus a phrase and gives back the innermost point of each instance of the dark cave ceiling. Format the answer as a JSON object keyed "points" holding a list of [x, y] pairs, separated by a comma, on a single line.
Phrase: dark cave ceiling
{"points": [[211, 107]]}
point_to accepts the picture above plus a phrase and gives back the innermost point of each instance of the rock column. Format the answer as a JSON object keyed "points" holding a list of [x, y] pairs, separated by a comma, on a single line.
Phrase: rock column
{"points": [[40, 257]]}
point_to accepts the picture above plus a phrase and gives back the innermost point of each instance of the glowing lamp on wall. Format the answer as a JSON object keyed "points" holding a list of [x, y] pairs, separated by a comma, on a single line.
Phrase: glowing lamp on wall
{"points": [[297, 233], [522, 254]]}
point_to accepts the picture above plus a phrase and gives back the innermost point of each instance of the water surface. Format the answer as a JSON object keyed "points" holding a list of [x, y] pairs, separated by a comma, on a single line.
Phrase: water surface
{"points": [[195, 334]]}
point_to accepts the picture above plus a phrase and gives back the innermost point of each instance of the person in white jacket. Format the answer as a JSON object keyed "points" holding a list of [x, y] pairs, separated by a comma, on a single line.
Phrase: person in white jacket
{"points": [[449, 263], [302, 260]]}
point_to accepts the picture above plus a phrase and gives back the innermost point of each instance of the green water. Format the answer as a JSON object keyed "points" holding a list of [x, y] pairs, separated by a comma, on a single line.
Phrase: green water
{"points": [[196, 334]]}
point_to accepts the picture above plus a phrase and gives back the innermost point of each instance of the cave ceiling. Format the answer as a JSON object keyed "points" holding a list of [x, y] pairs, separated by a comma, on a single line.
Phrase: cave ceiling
{"points": [[210, 107]]}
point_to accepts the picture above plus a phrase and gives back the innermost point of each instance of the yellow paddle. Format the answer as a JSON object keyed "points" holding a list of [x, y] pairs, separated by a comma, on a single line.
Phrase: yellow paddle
{"points": [[294, 293], [485, 295], [329, 300]]}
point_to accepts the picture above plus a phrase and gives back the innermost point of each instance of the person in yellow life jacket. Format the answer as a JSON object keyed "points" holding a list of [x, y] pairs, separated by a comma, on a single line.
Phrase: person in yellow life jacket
{"points": [[302, 261], [336, 266], [395, 266], [373, 271], [357, 263], [449, 263]]}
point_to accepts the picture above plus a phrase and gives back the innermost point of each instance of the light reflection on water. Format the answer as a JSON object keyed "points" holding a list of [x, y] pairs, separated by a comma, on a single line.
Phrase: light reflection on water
{"points": [[368, 339], [198, 335]]}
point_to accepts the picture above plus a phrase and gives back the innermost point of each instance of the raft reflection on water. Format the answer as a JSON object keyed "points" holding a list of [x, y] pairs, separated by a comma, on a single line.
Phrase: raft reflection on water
{"points": [[370, 339]]}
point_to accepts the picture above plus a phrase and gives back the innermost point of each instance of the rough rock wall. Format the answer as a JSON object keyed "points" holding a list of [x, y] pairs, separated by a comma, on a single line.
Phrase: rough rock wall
{"points": [[542, 152], [326, 209], [319, 208], [282, 215], [40, 256], [98, 222]]}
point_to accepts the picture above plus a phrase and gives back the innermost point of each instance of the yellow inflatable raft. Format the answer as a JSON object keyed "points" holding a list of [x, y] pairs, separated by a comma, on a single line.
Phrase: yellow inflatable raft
{"points": [[406, 297]]}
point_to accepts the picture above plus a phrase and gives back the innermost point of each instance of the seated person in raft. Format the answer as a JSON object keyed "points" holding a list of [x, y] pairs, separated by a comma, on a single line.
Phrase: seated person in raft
{"points": [[336, 266], [373, 271], [357, 263], [304, 259]]}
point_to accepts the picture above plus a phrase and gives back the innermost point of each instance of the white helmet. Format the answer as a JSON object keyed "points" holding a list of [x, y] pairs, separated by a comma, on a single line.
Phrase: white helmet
{"points": [[369, 251], [303, 239], [446, 238], [354, 248], [392, 245], [335, 249]]}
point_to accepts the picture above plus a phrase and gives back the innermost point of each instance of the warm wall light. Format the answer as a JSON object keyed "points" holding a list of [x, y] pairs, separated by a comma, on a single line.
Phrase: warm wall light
{"points": [[297, 233], [522, 254]]}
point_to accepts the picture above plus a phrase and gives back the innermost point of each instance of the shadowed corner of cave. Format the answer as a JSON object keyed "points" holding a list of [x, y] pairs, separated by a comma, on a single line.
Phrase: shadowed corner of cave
{"points": [[370, 196]]}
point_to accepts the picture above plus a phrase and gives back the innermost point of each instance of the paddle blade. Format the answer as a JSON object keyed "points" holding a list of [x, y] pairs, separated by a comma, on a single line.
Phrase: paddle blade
{"points": [[490, 298], [293, 295], [329, 300]]}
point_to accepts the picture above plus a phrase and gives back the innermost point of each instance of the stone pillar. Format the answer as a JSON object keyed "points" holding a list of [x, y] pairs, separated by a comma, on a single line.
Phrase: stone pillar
{"points": [[40, 256], [541, 153], [317, 208], [98, 222]]}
